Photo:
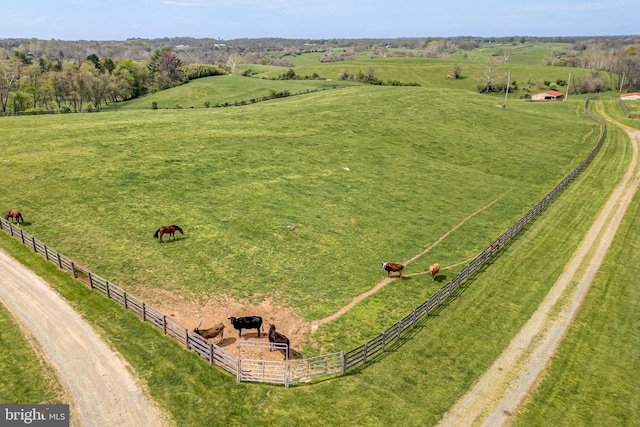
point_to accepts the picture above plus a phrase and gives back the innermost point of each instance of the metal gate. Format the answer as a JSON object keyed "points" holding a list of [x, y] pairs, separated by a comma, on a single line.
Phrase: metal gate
{"points": [[264, 371]]}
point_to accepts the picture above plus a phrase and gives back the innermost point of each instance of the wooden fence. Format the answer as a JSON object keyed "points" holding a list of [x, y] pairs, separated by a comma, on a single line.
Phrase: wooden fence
{"points": [[377, 345], [307, 369]]}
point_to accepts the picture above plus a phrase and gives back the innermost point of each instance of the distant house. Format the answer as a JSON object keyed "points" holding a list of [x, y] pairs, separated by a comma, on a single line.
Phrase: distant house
{"points": [[550, 95], [630, 96]]}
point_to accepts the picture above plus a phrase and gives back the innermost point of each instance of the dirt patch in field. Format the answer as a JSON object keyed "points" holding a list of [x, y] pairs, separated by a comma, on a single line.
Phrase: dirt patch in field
{"points": [[189, 313]]}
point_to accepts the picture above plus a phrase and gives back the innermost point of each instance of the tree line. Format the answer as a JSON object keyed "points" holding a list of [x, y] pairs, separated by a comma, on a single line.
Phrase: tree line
{"points": [[33, 85]]}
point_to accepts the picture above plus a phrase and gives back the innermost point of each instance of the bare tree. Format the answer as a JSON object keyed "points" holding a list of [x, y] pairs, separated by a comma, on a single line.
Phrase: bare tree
{"points": [[10, 71], [487, 75], [233, 60]]}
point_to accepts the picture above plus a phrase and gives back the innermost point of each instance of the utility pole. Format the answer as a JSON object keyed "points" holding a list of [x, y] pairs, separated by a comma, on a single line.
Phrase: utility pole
{"points": [[507, 91], [568, 83]]}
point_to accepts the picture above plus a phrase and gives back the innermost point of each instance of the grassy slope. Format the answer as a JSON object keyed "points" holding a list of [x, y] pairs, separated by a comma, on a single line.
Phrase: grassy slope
{"points": [[412, 386], [219, 90], [604, 342], [264, 196]]}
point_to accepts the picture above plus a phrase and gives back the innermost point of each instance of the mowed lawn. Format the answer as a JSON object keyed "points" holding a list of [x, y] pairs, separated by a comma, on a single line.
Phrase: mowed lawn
{"points": [[298, 199]]}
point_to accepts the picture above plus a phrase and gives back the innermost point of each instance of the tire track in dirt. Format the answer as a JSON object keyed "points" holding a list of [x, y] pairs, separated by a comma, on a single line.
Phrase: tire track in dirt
{"points": [[498, 394]]}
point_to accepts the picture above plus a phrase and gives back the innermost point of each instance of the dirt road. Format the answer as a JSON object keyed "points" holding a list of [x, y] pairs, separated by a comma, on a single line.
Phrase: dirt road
{"points": [[497, 395], [98, 381]]}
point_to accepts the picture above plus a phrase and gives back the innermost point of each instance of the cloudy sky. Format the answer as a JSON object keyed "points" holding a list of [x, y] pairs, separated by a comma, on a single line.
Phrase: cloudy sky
{"points": [[314, 19]]}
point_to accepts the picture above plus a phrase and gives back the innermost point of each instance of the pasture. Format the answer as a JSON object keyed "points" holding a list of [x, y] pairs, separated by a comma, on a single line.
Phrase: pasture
{"points": [[412, 385], [222, 90], [296, 201]]}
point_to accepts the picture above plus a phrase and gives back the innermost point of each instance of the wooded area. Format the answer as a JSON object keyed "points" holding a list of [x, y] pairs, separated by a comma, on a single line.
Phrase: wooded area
{"points": [[74, 76]]}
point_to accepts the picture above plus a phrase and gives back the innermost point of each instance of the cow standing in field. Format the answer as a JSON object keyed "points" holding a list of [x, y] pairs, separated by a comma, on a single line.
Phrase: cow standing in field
{"points": [[211, 332], [392, 266], [248, 322], [434, 270], [278, 338]]}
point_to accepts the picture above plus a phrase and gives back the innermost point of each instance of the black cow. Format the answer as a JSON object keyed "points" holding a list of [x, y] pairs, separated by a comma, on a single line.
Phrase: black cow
{"points": [[278, 338], [249, 322]]}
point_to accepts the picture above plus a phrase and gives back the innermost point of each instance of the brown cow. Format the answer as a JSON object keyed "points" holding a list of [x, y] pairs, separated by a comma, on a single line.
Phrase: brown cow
{"points": [[392, 266], [434, 270], [211, 332]]}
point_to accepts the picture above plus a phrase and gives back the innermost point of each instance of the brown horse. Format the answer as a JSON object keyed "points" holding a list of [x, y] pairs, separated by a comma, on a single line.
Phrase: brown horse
{"points": [[16, 215], [167, 229], [434, 270]]}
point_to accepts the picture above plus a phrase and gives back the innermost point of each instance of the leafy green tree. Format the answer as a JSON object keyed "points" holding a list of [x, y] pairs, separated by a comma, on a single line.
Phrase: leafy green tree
{"points": [[165, 67], [93, 58], [21, 101]]}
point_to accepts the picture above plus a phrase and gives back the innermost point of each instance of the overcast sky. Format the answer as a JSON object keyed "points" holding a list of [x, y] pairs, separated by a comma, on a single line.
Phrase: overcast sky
{"points": [[314, 19]]}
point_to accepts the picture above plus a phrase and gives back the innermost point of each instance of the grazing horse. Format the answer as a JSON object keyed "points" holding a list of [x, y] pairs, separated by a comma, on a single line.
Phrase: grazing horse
{"points": [[167, 229], [16, 215], [434, 270]]}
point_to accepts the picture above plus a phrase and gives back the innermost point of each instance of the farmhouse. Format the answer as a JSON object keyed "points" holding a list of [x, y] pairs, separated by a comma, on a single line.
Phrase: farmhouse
{"points": [[630, 96], [550, 95]]}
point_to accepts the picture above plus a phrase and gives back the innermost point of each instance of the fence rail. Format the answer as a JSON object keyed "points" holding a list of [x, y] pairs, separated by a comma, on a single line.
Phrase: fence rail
{"points": [[297, 370]]}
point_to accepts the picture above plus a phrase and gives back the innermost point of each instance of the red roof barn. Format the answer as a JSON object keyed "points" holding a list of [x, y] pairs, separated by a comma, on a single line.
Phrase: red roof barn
{"points": [[630, 96], [550, 95]]}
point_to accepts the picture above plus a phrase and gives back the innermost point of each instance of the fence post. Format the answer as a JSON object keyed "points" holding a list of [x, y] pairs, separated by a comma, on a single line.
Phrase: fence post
{"points": [[212, 349], [399, 331], [59, 261], [46, 253], [125, 300], [164, 324], [344, 362], [33, 243], [144, 311], [286, 372], [108, 293], [366, 347], [90, 278], [384, 340], [73, 269], [239, 369], [186, 338], [22, 236], [414, 320]]}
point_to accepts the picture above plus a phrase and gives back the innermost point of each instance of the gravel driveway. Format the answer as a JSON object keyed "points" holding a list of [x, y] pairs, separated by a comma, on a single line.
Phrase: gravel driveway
{"points": [[497, 395], [102, 389]]}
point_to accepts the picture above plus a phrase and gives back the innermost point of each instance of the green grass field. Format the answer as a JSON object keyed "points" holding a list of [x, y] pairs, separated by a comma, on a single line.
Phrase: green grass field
{"points": [[594, 379], [24, 377], [221, 90], [265, 197], [413, 384], [273, 196], [633, 107]]}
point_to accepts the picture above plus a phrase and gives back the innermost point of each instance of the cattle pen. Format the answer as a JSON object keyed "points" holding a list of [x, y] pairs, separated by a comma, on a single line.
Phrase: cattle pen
{"points": [[296, 371]]}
